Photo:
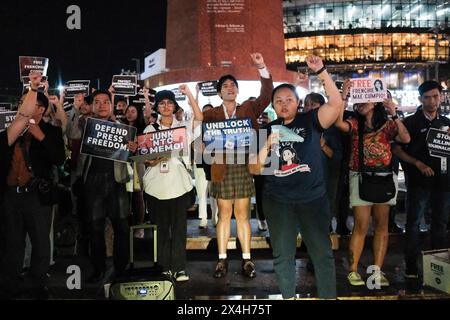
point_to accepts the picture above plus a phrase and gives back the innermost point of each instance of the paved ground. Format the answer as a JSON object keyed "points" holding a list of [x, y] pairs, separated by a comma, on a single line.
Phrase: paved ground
{"points": [[202, 285]]}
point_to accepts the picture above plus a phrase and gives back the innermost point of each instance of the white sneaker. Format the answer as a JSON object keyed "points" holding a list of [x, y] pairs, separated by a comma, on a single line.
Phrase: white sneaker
{"points": [[203, 224], [181, 276], [262, 225], [355, 279]]}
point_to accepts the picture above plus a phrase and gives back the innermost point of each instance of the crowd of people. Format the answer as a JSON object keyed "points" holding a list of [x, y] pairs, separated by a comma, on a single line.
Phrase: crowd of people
{"points": [[299, 184]]}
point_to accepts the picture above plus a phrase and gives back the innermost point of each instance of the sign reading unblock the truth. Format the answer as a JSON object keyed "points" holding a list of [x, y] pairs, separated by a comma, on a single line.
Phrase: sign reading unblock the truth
{"points": [[107, 140], [233, 134]]}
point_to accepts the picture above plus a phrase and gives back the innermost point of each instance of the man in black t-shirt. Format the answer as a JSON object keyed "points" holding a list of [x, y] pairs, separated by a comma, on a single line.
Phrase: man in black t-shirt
{"points": [[428, 177]]}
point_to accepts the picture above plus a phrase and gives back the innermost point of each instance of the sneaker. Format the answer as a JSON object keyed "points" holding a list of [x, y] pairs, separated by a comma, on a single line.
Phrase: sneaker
{"points": [[384, 282], [221, 268], [139, 233], [262, 225], [181, 276], [203, 224], [167, 273], [248, 268], [355, 279]]}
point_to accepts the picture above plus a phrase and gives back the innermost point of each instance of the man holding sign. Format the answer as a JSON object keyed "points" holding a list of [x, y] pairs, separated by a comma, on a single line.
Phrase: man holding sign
{"points": [[427, 175], [104, 187], [33, 148], [232, 184]]}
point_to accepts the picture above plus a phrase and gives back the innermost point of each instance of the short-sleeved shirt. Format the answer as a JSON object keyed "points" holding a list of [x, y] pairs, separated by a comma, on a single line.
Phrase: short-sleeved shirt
{"points": [[377, 146], [418, 127], [297, 174]]}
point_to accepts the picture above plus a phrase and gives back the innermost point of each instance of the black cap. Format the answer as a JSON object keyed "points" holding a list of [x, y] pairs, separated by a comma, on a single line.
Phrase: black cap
{"points": [[166, 94]]}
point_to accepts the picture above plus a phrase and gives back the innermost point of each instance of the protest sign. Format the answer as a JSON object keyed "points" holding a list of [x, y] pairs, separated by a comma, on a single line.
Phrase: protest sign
{"points": [[164, 143], [368, 90], [6, 118], [32, 64], [72, 88], [125, 85], [107, 140], [233, 134], [438, 143], [5, 106], [26, 84], [179, 96], [208, 88]]}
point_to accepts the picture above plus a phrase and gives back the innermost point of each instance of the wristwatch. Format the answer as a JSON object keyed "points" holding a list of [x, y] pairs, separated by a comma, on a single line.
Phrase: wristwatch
{"points": [[394, 117]]}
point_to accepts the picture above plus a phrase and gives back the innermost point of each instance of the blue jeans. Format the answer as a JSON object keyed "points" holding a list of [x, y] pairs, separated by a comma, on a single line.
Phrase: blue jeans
{"points": [[313, 218], [419, 199]]}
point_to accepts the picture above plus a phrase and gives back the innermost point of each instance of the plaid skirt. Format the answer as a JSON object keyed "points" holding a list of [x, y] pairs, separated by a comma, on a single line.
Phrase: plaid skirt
{"points": [[238, 184]]}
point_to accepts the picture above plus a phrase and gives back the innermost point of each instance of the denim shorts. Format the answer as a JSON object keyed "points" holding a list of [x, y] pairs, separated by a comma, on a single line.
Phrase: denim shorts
{"points": [[356, 201]]}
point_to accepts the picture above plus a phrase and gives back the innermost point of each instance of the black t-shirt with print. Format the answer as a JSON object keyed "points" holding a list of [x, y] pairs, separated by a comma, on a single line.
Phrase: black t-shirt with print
{"points": [[418, 127], [297, 174]]}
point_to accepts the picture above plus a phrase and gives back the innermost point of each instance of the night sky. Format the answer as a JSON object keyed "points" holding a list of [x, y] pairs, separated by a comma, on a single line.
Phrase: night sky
{"points": [[111, 35]]}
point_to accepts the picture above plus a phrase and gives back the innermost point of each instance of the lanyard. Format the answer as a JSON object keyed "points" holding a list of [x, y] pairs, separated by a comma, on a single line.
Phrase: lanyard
{"points": [[226, 113]]}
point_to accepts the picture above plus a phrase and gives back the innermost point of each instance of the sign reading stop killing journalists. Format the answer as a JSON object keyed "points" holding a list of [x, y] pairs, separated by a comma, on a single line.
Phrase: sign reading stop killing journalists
{"points": [[32, 64], [233, 134], [164, 143], [368, 90], [438, 143], [107, 140], [72, 88], [6, 118], [208, 88], [125, 85]]}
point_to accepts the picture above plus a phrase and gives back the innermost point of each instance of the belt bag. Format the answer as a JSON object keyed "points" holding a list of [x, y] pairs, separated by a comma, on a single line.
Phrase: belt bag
{"points": [[376, 188], [47, 189], [372, 187]]}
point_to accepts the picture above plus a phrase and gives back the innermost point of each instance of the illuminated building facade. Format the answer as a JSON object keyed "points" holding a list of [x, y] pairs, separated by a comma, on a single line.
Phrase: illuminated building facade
{"points": [[403, 41]]}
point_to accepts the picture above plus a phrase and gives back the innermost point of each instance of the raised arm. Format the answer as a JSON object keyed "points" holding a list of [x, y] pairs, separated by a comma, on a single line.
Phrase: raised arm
{"points": [[26, 110], [198, 115], [342, 125], [60, 114], [403, 134], [262, 102], [329, 112]]}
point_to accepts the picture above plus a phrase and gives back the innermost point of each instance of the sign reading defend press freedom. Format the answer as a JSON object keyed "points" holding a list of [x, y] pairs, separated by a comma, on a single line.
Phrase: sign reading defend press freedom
{"points": [[107, 140], [368, 90], [438, 143], [6, 118], [72, 88], [208, 88], [32, 64], [125, 85], [233, 134], [164, 143]]}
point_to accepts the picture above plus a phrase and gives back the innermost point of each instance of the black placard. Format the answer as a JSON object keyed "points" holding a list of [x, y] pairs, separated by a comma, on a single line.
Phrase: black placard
{"points": [[107, 140], [74, 87], [6, 118], [208, 88], [179, 96], [5, 106], [438, 143], [125, 85], [32, 64]]}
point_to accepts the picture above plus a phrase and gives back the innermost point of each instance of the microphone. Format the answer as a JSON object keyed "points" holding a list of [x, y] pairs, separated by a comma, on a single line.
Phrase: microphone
{"points": [[31, 121]]}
